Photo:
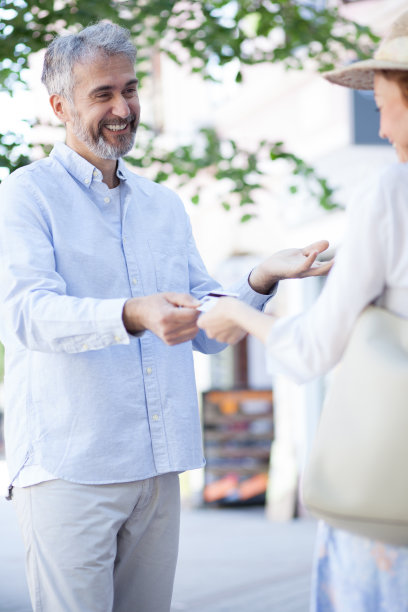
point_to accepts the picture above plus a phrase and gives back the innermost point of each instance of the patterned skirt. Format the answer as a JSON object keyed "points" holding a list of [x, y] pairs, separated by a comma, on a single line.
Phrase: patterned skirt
{"points": [[354, 574]]}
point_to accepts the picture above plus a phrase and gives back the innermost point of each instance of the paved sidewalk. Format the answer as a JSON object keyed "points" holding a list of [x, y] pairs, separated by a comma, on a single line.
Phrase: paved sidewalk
{"points": [[237, 561], [13, 586], [231, 560]]}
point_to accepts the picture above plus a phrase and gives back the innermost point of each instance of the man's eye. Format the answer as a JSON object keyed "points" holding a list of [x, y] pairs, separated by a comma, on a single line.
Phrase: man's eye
{"points": [[130, 92]]}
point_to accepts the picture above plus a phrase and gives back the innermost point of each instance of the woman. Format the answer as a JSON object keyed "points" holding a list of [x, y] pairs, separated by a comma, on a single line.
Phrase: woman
{"points": [[351, 573]]}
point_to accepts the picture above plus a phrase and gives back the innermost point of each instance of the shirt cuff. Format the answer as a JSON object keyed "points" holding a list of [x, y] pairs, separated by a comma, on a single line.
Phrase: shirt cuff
{"points": [[252, 297], [107, 328]]}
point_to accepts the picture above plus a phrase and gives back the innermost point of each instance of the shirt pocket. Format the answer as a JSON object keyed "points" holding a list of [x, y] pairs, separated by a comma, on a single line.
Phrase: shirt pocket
{"points": [[171, 267]]}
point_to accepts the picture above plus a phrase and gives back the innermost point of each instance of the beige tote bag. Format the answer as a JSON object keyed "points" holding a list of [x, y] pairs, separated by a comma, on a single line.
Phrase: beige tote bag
{"points": [[357, 475]]}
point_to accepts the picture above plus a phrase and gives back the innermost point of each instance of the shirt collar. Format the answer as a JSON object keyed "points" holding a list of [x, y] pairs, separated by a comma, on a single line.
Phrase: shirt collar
{"points": [[121, 171], [81, 169]]}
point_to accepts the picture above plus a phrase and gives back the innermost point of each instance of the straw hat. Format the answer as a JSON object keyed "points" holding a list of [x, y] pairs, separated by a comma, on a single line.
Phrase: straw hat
{"points": [[392, 54]]}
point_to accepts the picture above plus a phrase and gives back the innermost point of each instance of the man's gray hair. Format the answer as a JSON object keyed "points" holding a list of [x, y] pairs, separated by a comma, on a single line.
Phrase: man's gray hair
{"points": [[66, 51]]}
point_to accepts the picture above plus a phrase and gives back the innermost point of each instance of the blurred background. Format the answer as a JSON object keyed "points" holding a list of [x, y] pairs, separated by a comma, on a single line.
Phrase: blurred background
{"points": [[266, 155]]}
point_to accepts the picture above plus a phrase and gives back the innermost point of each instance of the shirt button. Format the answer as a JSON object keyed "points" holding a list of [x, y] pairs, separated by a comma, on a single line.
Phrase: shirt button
{"points": [[85, 347], [149, 371], [95, 173], [107, 200], [124, 239], [118, 338], [134, 281], [156, 417], [86, 181]]}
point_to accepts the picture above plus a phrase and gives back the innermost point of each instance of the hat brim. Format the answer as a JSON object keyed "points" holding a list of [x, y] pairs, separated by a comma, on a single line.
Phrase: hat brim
{"points": [[361, 74]]}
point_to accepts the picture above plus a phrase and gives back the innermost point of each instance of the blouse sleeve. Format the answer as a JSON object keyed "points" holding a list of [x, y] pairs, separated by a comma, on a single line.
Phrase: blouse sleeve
{"points": [[307, 345]]}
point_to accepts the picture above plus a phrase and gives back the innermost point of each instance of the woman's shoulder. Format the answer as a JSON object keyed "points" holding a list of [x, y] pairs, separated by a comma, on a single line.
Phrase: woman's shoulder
{"points": [[394, 175], [384, 202], [392, 195]]}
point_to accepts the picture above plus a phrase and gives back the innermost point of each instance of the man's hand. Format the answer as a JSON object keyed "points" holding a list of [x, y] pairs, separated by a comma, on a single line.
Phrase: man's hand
{"points": [[170, 316], [289, 263]]}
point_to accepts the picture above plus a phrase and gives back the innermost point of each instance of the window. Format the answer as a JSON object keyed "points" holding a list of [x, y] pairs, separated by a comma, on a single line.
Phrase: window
{"points": [[365, 119]]}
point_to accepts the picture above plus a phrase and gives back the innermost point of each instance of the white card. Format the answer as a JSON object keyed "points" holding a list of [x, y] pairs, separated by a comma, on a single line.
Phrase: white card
{"points": [[210, 300]]}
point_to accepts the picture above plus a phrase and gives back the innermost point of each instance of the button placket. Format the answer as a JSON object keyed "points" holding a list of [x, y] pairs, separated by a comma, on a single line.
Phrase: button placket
{"points": [[132, 253], [133, 273], [153, 403]]}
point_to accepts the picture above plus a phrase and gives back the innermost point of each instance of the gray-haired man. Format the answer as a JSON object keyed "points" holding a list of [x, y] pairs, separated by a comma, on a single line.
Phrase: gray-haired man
{"points": [[100, 282]]}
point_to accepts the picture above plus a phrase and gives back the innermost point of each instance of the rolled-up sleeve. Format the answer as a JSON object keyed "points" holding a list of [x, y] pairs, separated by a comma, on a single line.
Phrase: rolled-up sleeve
{"points": [[35, 307]]}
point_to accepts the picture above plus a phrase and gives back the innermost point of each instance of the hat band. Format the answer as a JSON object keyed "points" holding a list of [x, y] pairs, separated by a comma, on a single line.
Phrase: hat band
{"points": [[394, 50]]}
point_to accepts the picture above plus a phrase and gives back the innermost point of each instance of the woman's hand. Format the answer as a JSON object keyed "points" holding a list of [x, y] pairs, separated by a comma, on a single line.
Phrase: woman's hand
{"points": [[230, 320], [290, 263], [221, 321]]}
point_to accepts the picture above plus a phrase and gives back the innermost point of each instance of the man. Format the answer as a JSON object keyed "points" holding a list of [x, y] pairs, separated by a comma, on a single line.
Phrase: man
{"points": [[100, 284]]}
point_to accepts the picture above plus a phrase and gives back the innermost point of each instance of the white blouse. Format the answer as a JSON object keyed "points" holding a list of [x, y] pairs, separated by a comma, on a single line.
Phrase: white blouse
{"points": [[373, 257]]}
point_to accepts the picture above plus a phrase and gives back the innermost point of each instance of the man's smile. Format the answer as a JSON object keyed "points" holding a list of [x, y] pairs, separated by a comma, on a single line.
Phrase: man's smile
{"points": [[119, 125], [116, 127]]}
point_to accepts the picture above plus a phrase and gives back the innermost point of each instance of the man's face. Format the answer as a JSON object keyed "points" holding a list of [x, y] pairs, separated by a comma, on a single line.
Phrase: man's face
{"points": [[105, 112]]}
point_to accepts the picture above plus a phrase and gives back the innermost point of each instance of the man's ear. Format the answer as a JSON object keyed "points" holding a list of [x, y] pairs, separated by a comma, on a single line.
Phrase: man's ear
{"points": [[60, 107]]}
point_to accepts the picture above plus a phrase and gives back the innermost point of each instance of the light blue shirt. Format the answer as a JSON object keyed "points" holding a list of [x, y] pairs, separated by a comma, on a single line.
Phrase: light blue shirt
{"points": [[86, 401]]}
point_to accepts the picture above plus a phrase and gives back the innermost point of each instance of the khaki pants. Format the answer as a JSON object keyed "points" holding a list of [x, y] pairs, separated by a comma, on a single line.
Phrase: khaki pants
{"points": [[101, 548]]}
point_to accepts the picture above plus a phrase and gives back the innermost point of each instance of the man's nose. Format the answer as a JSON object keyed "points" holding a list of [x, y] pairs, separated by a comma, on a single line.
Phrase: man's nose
{"points": [[121, 107]]}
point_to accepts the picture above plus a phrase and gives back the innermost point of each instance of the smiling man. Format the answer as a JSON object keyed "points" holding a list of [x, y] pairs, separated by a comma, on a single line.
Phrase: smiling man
{"points": [[100, 110], [99, 288]]}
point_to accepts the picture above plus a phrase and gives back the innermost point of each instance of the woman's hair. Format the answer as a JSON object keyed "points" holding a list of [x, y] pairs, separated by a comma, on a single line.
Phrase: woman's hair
{"points": [[66, 51], [400, 77]]}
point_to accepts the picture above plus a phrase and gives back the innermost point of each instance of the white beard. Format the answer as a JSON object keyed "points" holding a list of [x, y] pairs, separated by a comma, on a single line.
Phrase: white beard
{"points": [[97, 144]]}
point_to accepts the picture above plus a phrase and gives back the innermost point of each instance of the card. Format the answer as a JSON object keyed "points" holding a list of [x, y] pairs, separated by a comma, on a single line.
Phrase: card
{"points": [[210, 300]]}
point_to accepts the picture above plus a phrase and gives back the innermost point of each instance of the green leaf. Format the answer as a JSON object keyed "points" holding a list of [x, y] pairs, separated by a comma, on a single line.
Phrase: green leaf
{"points": [[245, 218], [199, 36]]}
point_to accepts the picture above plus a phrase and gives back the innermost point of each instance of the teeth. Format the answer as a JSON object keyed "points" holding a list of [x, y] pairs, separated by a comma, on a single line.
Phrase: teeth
{"points": [[116, 128]]}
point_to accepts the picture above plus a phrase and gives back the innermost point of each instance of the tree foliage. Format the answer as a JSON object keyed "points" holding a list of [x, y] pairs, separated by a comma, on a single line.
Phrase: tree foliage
{"points": [[203, 34]]}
